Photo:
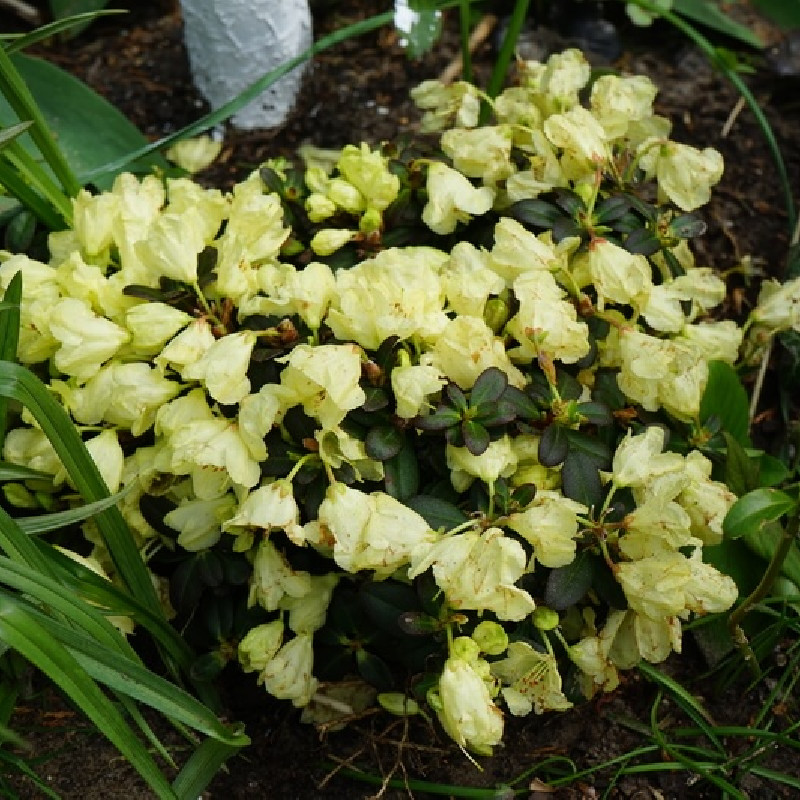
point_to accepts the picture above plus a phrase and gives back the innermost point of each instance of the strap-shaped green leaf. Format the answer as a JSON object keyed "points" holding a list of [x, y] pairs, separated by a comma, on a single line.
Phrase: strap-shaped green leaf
{"points": [[9, 337], [60, 519], [15, 185], [16, 93], [54, 28], [20, 384], [129, 677], [750, 513], [21, 630]]}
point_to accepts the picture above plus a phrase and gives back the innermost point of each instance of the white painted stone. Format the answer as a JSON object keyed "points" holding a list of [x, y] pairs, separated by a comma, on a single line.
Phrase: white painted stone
{"points": [[232, 43]]}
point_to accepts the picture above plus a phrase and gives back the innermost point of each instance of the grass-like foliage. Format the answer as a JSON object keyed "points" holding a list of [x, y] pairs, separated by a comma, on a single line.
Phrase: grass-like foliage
{"points": [[460, 417], [454, 417]]}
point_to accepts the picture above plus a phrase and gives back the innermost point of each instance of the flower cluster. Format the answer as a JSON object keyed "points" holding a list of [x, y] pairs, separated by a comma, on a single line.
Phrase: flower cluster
{"points": [[433, 384]]}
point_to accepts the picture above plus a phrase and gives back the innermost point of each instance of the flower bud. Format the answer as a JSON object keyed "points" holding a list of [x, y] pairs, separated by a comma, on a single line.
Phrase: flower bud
{"points": [[490, 637]]}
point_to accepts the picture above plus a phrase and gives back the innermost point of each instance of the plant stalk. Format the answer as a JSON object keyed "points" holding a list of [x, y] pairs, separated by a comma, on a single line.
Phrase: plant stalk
{"points": [[790, 532], [766, 129]]}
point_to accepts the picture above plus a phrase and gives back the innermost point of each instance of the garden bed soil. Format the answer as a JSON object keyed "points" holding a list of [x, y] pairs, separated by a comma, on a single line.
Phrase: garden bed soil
{"points": [[359, 91]]}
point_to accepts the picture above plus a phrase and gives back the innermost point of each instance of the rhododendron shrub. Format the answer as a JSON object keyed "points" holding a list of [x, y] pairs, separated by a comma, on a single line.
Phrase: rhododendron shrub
{"points": [[428, 413]]}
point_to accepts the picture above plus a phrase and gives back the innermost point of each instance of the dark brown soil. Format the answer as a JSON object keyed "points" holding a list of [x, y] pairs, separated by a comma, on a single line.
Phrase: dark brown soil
{"points": [[359, 91]]}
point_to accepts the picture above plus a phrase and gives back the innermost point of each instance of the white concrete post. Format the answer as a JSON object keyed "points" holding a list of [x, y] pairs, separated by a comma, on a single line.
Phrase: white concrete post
{"points": [[232, 43]]}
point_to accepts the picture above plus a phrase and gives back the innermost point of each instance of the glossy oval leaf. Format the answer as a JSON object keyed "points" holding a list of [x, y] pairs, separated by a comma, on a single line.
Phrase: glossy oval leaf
{"points": [[535, 213], [419, 23], [438, 513], [567, 585], [687, 226], [750, 513], [386, 601], [553, 446], [476, 437], [374, 670], [580, 480], [75, 114], [401, 474], [725, 397], [642, 242], [488, 387], [384, 442]]}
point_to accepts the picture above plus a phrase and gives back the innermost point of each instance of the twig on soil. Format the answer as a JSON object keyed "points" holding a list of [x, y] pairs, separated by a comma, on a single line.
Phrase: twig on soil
{"points": [[732, 117], [479, 35], [762, 367], [23, 10]]}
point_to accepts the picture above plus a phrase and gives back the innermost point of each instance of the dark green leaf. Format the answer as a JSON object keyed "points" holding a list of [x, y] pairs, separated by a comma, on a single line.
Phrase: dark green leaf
{"points": [[750, 513], [765, 541], [686, 226], [741, 470], [206, 263], [564, 228], [502, 496], [785, 13], [443, 417], [567, 585], [417, 623], [553, 446], [374, 670], [725, 397], [209, 568], [236, 568], [218, 617], [606, 390], [401, 474], [520, 403], [20, 231], [570, 201], [456, 397], [208, 666], [488, 387], [185, 586], [773, 471], [648, 211], [627, 223], [734, 558], [611, 209], [384, 442], [376, 399], [492, 415], [439, 514], [580, 479], [595, 413], [535, 213], [385, 601], [272, 180], [144, 293], [605, 584], [476, 437], [676, 269], [642, 242], [524, 495], [591, 447], [454, 436], [569, 387]]}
